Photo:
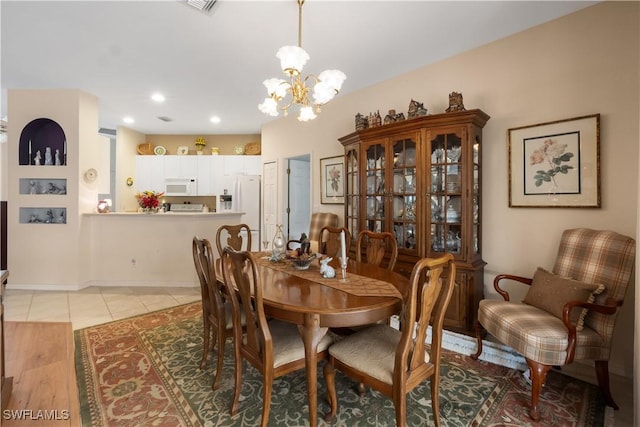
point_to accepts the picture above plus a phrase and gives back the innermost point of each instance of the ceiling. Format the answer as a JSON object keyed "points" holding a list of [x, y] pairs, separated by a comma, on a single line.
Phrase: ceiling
{"points": [[213, 63]]}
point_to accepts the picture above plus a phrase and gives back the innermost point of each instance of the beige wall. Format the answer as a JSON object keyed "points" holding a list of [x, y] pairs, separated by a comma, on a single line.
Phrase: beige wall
{"points": [[582, 64]]}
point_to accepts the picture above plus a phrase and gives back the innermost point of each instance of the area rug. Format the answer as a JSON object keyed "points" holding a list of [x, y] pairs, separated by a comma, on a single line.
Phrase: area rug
{"points": [[144, 371]]}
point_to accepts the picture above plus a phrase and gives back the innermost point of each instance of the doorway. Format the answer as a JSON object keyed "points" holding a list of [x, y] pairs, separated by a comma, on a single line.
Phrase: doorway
{"points": [[298, 209]]}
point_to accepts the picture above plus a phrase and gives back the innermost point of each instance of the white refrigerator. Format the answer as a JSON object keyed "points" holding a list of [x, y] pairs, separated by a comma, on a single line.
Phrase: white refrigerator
{"points": [[247, 199]]}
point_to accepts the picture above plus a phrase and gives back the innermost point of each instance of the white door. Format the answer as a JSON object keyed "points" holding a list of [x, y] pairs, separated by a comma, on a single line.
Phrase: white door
{"points": [[299, 196], [269, 202]]}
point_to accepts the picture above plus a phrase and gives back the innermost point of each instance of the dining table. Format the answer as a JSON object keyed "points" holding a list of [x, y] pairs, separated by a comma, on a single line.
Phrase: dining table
{"points": [[366, 295]]}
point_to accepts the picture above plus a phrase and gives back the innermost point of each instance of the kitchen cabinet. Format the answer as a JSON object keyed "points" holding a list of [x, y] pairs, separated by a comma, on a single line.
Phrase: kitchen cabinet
{"points": [[420, 179], [242, 165], [149, 173], [180, 166], [209, 174], [210, 171]]}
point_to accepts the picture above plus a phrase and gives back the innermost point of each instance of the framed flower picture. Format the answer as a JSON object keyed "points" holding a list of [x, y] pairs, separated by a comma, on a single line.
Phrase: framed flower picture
{"points": [[555, 164], [332, 180]]}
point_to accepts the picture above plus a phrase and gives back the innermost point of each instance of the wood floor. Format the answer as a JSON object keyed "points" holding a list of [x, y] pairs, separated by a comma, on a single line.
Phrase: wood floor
{"points": [[39, 357]]}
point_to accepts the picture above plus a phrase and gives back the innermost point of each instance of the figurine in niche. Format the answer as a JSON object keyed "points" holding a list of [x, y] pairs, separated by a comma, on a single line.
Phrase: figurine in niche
{"points": [[416, 109], [48, 157], [57, 158], [33, 187], [34, 218], [455, 103], [49, 219], [37, 158], [61, 219], [361, 122]]}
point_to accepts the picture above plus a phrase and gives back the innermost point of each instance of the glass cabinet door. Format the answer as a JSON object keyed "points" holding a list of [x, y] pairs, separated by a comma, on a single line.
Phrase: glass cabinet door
{"points": [[375, 190], [446, 193], [352, 195], [403, 194]]}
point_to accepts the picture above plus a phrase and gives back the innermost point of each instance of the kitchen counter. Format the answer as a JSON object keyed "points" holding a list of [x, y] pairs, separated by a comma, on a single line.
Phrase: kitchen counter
{"points": [[137, 249]]}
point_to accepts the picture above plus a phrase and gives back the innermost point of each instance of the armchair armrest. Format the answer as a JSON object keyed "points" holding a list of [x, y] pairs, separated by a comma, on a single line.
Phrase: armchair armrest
{"points": [[289, 248], [608, 309], [502, 292]]}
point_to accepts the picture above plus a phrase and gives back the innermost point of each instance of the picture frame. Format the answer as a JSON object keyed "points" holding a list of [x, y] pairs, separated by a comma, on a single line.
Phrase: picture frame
{"points": [[555, 164], [332, 180]]}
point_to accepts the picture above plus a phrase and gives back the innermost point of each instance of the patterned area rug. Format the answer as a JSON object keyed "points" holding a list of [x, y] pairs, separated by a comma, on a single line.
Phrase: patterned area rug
{"points": [[143, 371]]}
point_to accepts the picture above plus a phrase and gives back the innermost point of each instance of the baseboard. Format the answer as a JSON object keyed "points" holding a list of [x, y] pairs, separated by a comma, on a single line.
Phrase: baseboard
{"points": [[97, 283]]}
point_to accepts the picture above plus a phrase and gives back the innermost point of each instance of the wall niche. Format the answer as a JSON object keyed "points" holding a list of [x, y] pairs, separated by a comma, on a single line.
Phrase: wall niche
{"points": [[42, 143]]}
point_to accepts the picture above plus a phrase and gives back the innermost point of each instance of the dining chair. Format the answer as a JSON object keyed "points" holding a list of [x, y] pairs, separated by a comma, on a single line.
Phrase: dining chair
{"points": [[567, 314], [375, 248], [275, 348], [396, 361], [216, 312], [330, 240], [318, 220], [238, 236]]}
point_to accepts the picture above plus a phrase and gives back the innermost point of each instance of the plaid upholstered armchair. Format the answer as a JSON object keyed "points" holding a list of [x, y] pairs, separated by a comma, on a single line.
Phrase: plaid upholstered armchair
{"points": [[318, 220], [568, 314]]}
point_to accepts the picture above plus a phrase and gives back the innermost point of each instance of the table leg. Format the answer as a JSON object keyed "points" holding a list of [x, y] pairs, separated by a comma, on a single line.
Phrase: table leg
{"points": [[312, 333]]}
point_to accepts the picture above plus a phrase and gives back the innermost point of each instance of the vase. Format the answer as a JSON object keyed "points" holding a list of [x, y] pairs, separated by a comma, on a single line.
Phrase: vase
{"points": [[278, 243], [149, 210]]}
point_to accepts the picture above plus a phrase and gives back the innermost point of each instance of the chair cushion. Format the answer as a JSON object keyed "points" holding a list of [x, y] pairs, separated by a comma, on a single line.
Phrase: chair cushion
{"points": [[551, 292], [287, 342], [371, 350], [536, 334]]}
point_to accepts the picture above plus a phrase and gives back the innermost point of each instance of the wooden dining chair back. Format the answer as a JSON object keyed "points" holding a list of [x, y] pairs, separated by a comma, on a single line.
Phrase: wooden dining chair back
{"points": [[396, 361], [330, 240], [216, 312], [238, 236], [377, 248], [273, 347]]}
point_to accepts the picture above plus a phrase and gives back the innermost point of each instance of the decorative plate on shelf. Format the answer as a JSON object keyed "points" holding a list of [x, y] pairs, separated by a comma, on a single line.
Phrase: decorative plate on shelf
{"points": [[160, 150], [183, 150]]}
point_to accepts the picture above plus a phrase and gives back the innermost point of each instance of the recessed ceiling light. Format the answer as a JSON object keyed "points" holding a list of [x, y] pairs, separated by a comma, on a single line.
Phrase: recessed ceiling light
{"points": [[128, 120], [158, 97], [215, 119]]}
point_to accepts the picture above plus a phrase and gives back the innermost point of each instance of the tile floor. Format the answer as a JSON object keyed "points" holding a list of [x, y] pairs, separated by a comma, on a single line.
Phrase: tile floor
{"points": [[92, 305]]}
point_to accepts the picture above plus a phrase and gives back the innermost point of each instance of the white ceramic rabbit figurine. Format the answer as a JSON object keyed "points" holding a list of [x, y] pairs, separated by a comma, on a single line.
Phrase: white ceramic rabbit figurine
{"points": [[326, 270]]}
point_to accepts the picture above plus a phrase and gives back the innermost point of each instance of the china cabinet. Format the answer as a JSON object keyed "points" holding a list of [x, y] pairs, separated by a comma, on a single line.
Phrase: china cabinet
{"points": [[421, 180]]}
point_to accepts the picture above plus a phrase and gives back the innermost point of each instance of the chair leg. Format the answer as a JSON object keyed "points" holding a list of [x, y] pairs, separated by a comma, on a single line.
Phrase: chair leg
{"points": [[266, 398], [221, 338], [238, 383], [206, 344], [538, 377], [480, 334], [330, 380], [602, 373], [435, 397]]}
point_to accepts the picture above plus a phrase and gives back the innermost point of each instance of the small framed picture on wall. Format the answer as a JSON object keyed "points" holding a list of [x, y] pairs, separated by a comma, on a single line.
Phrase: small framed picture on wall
{"points": [[332, 180]]}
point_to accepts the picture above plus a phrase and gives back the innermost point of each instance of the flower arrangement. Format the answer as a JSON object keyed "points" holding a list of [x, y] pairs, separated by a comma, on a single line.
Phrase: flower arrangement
{"points": [[200, 143], [149, 200]]}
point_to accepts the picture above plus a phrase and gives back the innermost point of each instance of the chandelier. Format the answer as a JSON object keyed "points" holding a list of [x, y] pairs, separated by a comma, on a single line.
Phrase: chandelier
{"points": [[295, 89]]}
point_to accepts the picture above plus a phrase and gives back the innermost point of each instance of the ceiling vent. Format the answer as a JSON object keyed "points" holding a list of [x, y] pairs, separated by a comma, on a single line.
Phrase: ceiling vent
{"points": [[203, 5]]}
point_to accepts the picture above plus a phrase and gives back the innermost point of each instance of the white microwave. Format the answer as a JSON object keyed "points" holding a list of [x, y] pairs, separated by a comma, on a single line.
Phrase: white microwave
{"points": [[180, 186]]}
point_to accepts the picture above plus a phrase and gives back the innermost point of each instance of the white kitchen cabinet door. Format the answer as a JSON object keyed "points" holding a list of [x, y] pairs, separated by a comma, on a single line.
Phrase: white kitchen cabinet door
{"points": [[242, 165], [209, 172], [180, 166], [149, 173]]}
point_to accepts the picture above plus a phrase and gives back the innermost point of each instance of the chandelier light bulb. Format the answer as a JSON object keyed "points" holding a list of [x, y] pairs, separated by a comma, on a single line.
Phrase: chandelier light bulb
{"points": [[306, 114], [269, 107], [277, 87], [292, 59]]}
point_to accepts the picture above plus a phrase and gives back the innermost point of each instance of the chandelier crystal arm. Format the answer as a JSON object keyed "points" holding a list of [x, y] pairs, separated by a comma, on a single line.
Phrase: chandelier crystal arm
{"points": [[324, 87]]}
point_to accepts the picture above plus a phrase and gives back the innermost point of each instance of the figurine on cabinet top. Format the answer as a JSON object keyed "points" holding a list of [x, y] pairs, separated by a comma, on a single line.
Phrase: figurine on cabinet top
{"points": [[392, 117], [455, 103], [416, 109], [361, 122], [375, 119]]}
